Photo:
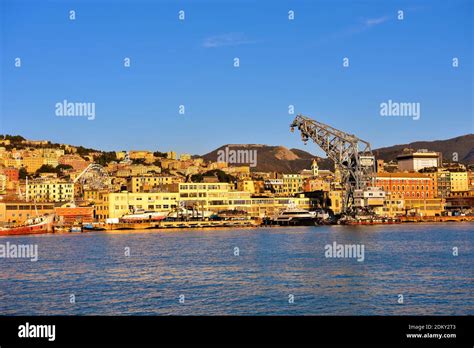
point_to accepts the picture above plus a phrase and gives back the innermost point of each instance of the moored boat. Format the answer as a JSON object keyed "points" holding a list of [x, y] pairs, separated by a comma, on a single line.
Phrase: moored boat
{"points": [[76, 229], [294, 216], [36, 225], [141, 215]]}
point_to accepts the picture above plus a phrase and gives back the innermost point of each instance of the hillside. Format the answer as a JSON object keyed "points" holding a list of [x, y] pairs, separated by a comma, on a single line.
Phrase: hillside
{"points": [[284, 160]]}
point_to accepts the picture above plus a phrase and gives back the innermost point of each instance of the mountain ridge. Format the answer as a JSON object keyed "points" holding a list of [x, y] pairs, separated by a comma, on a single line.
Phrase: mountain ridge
{"points": [[277, 158]]}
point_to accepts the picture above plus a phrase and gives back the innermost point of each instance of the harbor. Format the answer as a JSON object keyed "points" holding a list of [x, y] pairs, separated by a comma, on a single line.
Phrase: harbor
{"points": [[256, 279]]}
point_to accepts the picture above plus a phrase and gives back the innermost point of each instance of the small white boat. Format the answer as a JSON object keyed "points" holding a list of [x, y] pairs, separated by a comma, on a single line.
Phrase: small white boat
{"points": [[76, 229]]}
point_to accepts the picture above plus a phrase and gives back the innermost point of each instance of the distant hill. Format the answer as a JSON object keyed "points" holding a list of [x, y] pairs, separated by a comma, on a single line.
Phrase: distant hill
{"points": [[463, 146], [270, 158], [284, 160]]}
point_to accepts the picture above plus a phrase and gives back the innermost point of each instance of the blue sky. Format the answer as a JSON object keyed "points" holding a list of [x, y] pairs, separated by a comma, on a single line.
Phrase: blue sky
{"points": [[190, 62]]}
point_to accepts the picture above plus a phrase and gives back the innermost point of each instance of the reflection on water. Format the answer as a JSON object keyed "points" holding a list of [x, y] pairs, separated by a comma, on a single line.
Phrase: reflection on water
{"points": [[413, 260]]}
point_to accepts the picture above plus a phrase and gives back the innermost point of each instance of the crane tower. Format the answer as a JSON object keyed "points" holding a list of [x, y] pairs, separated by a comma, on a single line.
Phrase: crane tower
{"points": [[351, 155]]}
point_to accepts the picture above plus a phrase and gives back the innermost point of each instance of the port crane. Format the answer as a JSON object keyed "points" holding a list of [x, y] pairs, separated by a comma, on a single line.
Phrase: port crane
{"points": [[351, 155]]}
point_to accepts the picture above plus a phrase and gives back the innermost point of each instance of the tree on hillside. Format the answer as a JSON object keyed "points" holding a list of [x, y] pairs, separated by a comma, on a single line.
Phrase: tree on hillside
{"points": [[22, 173], [106, 157]]}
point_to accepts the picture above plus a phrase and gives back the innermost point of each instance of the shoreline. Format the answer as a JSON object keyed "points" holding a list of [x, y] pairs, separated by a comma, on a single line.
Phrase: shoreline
{"points": [[230, 228]]}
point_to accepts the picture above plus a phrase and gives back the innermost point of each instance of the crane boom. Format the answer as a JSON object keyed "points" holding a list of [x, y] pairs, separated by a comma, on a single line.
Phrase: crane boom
{"points": [[351, 155]]}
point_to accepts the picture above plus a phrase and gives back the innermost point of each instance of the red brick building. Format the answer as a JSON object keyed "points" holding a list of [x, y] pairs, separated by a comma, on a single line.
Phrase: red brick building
{"points": [[406, 185]]}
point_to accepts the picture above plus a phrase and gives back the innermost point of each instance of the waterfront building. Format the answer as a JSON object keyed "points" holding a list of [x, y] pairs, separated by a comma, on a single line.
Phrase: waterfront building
{"points": [[406, 185], [460, 200], [392, 207], [218, 197], [50, 191], [372, 197], [117, 204], [424, 207], [413, 161], [68, 216], [417, 190], [19, 211]]}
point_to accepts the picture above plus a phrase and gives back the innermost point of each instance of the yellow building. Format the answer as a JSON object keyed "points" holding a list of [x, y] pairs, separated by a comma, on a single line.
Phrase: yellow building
{"points": [[3, 183], [240, 171], [316, 184], [459, 181], [147, 156], [19, 212], [32, 164], [424, 207], [51, 161], [292, 183], [246, 185], [185, 157], [120, 155], [147, 183], [218, 197], [121, 203], [393, 206], [336, 197], [171, 155], [50, 191], [12, 162], [215, 197]]}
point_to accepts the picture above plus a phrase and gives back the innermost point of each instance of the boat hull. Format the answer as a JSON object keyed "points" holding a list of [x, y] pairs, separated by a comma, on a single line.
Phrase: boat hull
{"points": [[39, 228]]}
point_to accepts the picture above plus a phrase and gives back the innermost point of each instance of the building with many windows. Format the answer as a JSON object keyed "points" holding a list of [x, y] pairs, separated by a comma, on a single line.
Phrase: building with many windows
{"points": [[414, 161], [20, 211], [147, 183], [50, 191], [459, 180], [406, 185]]}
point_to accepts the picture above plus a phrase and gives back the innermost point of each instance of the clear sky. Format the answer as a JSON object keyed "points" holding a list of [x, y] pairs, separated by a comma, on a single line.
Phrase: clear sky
{"points": [[190, 62]]}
